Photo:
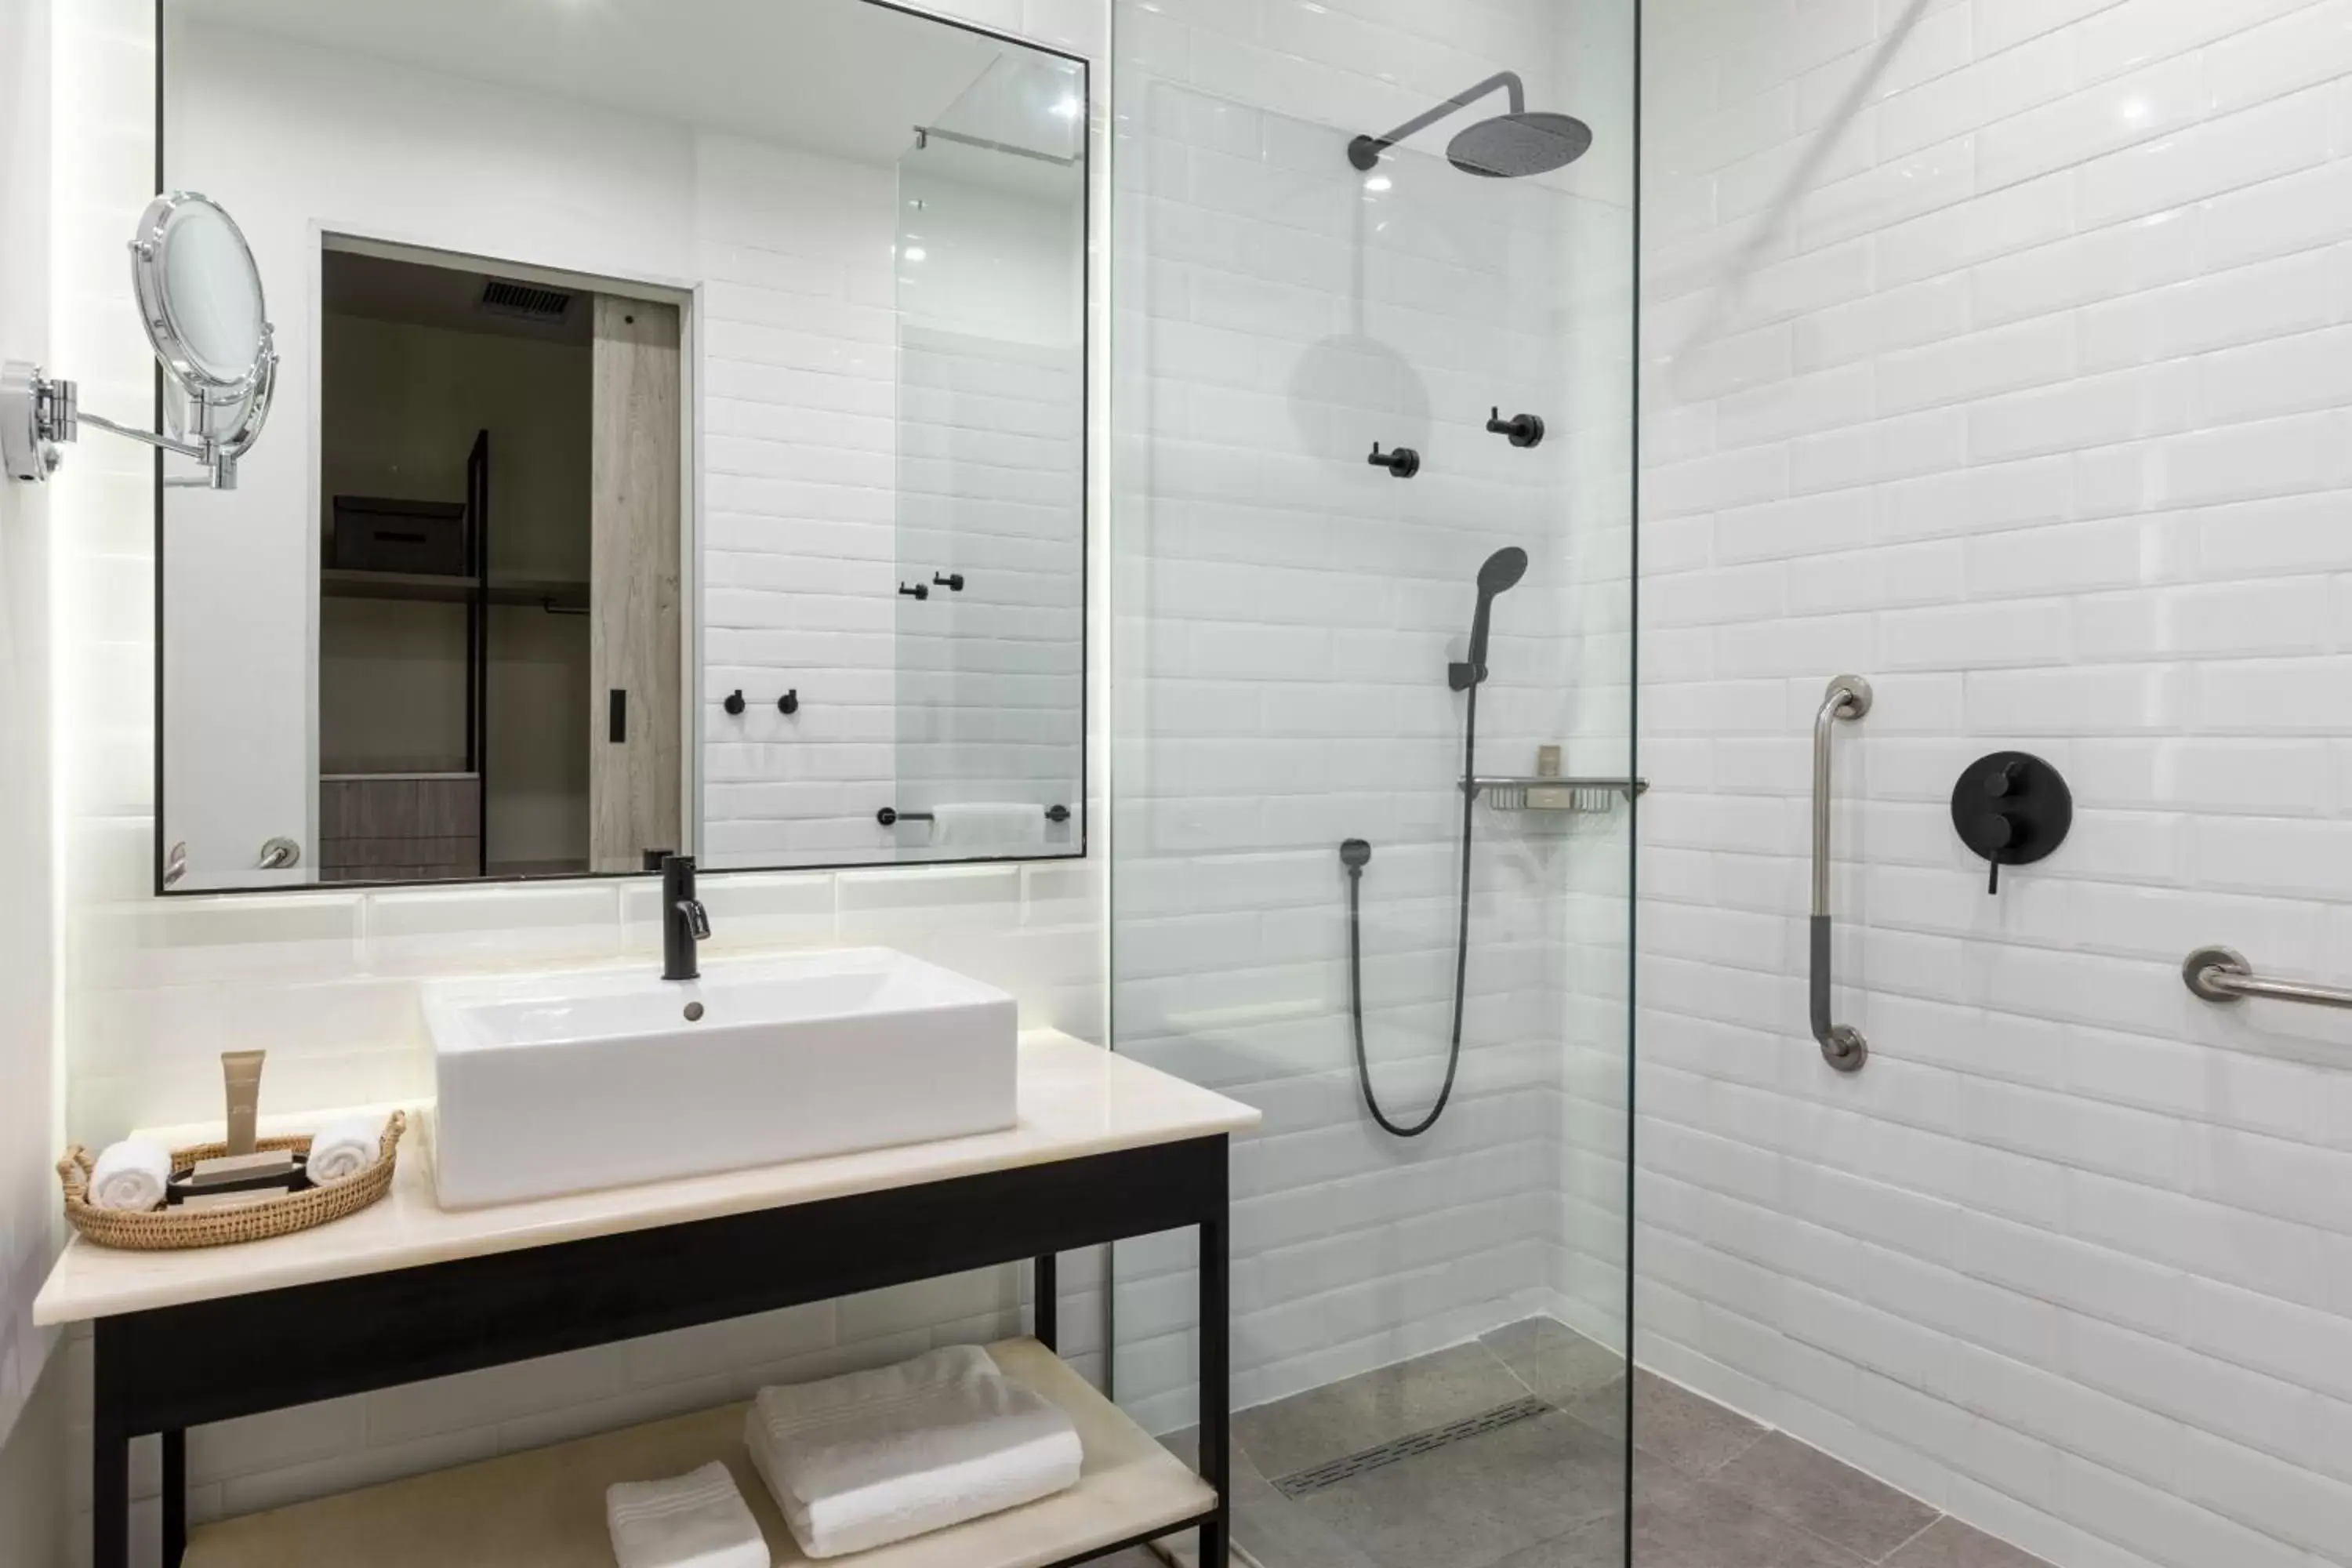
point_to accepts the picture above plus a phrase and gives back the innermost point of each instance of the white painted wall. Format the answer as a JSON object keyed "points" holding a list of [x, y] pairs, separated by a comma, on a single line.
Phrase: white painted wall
{"points": [[155, 990], [1285, 615], [28, 1100], [2012, 378]]}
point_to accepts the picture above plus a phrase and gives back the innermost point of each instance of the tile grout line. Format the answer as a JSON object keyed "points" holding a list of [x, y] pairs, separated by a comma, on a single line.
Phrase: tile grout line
{"points": [[1907, 1542]]}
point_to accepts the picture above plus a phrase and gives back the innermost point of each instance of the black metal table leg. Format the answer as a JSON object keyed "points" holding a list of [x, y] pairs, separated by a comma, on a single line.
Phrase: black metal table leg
{"points": [[176, 1497], [109, 1467], [1216, 1389], [1046, 1309]]}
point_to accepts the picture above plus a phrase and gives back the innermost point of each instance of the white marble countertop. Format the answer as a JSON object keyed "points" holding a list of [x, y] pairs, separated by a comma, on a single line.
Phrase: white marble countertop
{"points": [[1076, 1099]]}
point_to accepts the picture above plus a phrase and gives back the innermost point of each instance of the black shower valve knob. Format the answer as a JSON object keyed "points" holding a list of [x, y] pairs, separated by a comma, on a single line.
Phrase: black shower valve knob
{"points": [[1524, 429], [1401, 463]]}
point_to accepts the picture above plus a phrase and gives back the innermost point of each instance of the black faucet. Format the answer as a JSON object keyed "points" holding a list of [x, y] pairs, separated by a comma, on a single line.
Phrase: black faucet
{"points": [[684, 920]]}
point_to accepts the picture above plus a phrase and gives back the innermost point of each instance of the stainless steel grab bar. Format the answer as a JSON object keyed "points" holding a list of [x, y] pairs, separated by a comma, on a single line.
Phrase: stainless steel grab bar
{"points": [[1842, 1047], [2220, 974]]}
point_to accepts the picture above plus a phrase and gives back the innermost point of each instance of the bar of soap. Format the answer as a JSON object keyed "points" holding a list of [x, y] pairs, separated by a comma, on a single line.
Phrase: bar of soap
{"points": [[240, 1167], [234, 1200]]}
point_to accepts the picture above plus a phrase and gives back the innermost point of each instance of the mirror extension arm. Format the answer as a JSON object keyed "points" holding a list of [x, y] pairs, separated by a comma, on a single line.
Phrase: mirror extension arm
{"points": [[39, 413]]}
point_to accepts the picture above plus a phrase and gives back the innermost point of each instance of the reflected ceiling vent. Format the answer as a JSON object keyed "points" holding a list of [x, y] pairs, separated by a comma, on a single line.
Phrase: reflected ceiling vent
{"points": [[525, 301]]}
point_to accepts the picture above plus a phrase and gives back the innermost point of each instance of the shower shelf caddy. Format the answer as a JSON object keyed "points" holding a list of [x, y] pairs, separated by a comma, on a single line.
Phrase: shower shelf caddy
{"points": [[1574, 796]]}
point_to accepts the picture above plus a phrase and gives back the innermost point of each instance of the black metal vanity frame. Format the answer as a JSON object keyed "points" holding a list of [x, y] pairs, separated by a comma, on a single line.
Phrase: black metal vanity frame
{"points": [[170, 1368]]}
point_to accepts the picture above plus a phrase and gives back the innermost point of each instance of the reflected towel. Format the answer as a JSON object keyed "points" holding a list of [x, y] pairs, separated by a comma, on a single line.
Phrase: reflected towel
{"points": [[860, 1461], [131, 1176], [989, 825], [345, 1147], [694, 1520]]}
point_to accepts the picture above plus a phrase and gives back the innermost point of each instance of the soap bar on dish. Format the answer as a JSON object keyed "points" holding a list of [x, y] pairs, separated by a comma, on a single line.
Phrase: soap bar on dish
{"points": [[242, 1167], [237, 1199]]}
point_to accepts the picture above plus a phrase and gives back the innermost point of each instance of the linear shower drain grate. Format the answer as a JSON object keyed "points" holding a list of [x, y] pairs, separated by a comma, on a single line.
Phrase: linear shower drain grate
{"points": [[1340, 1469]]}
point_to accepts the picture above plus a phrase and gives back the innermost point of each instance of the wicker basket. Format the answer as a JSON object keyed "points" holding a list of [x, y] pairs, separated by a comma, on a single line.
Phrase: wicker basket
{"points": [[169, 1229]]}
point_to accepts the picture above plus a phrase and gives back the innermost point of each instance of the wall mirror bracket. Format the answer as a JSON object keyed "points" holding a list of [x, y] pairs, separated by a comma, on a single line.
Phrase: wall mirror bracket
{"points": [[200, 299]]}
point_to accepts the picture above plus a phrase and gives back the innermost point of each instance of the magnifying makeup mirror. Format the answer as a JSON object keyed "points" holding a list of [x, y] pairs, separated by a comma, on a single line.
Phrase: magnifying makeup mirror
{"points": [[201, 300]]}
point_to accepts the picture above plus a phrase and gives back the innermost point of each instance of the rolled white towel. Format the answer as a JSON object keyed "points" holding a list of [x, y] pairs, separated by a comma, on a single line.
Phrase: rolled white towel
{"points": [[132, 1175], [345, 1147], [694, 1520]]}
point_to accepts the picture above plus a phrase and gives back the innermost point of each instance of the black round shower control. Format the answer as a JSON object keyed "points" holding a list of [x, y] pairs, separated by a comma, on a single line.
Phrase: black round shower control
{"points": [[2012, 809]]}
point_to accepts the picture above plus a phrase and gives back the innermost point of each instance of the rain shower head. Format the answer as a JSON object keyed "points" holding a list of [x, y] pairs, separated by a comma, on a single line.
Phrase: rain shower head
{"points": [[1506, 147], [1500, 575], [1511, 146]]}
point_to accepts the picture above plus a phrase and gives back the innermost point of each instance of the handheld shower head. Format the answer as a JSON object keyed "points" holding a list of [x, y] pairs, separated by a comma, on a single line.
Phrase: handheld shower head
{"points": [[1502, 571], [1500, 575]]}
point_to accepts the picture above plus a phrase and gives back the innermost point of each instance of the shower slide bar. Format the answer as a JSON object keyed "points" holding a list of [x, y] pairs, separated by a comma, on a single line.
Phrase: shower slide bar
{"points": [[1842, 1047], [2220, 974]]}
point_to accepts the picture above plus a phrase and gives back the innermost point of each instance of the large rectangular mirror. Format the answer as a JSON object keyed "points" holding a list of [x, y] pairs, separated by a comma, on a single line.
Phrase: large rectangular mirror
{"points": [[679, 443]]}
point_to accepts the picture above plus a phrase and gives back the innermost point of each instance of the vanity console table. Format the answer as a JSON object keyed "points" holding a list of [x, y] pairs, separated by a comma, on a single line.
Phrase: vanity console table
{"points": [[1106, 1149]]}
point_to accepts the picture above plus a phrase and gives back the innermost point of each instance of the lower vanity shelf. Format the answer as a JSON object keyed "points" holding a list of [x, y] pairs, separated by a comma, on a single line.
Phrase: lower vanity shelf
{"points": [[545, 1509]]}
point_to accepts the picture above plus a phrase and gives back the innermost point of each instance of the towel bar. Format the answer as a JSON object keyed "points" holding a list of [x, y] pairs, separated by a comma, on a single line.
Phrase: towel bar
{"points": [[2220, 974]]}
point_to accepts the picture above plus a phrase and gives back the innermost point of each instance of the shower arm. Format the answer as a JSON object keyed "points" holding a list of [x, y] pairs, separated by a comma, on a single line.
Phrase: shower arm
{"points": [[1365, 152]]}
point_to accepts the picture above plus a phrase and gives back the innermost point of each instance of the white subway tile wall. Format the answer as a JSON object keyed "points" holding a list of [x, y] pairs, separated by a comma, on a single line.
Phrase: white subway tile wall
{"points": [[1284, 615], [849, 450], [154, 989], [28, 1075], [1994, 350], [799, 547]]}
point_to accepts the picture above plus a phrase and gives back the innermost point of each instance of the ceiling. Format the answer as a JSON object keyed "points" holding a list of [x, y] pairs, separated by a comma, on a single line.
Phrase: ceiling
{"points": [[445, 296], [840, 76]]}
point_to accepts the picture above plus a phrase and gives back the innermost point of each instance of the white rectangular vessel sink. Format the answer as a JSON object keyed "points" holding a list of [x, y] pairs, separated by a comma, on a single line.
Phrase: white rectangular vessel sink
{"points": [[563, 1083]]}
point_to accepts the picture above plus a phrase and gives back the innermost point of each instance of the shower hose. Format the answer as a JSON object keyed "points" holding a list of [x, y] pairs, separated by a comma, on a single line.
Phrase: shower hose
{"points": [[1355, 854]]}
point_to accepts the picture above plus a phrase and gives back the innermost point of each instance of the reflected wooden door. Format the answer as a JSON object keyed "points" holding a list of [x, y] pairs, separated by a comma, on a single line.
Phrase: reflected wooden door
{"points": [[635, 639]]}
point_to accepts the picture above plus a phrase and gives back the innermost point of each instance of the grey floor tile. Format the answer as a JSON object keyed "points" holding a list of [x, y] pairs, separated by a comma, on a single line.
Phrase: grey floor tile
{"points": [[1267, 1525], [1596, 1543], [1833, 1501], [1697, 1525], [1948, 1543], [1346, 1417], [1693, 1434], [1553, 1360], [1480, 1500]]}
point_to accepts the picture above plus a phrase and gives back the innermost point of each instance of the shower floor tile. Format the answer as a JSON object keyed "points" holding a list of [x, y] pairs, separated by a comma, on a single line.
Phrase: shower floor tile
{"points": [[1806, 1488], [1480, 1500], [1358, 1413], [1712, 1489]]}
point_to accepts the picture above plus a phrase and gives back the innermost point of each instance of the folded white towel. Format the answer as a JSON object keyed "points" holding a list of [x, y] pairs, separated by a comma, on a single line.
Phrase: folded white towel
{"points": [[130, 1175], [346, 1146], [860, 1461], [694, 1520], [988, 825]]}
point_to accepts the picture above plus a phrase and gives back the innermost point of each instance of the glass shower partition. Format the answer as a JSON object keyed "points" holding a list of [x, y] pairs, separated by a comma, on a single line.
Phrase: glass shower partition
{"points": [[1429, 1331], [989, 702]]}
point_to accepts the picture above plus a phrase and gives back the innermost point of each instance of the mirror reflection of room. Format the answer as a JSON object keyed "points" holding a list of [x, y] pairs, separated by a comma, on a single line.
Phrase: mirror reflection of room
{"points": [[461, 611], [796, 581]]}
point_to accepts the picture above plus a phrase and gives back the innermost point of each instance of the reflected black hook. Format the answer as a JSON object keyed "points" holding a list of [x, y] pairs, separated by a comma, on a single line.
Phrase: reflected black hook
{"points": [[734, 704], [789, 703], [1524, 429], [919, 590], [953, 582], [1402, 464]]}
